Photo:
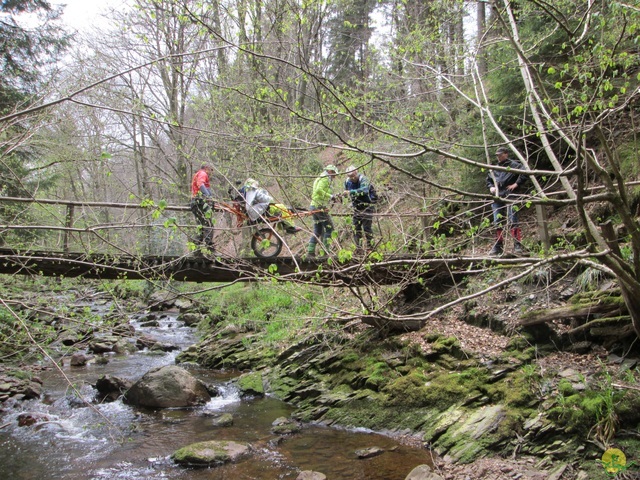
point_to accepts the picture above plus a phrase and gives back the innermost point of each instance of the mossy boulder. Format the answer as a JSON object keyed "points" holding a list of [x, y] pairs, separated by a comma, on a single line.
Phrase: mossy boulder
{"points": [[285, 426], [224, 420], [251, 384], [469, 437], [211, 453]]}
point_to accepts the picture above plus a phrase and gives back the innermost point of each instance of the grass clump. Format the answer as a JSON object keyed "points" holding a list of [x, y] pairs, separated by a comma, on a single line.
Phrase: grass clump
{"points": [[278, 313]]}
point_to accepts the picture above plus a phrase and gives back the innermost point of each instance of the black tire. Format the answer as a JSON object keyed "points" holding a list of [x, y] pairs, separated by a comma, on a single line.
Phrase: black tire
{"points": [[265, 243]]}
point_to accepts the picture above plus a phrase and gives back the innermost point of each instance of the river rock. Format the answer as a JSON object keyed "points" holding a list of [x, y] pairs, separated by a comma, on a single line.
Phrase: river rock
{"points": [[190, 319], [160, 301], [164, 347], [167, 387], [251, 384], [69, 337], [145, 341], [124, 346], [423, 472], [183, 304], [18, 388], [123, 330], [100, 347], [369, 452], [210, 454], [79, 359], [311, 475], [110, 388], [285, 426], [224, 420], [28, 419], [150, 324]]}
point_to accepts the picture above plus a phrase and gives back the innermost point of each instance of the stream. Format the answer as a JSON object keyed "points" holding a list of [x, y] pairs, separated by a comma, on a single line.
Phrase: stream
{"points": [[84, 440]]}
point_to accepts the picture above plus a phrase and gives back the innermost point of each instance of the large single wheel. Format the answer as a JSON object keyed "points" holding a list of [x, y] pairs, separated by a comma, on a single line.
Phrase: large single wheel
{"points": [[265, 243]]}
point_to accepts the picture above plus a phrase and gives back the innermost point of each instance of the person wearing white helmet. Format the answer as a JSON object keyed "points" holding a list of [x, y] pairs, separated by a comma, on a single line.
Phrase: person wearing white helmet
{"points": [[356, 186], [321, 195], [259, 202]]}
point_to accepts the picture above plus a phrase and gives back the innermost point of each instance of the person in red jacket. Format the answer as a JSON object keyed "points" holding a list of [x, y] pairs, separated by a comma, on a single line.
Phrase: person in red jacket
{"points": [[202, 205]]}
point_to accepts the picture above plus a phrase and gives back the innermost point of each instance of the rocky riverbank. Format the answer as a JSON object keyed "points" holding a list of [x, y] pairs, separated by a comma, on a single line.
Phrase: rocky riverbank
{"points": [[463, 391], [490, 400]]}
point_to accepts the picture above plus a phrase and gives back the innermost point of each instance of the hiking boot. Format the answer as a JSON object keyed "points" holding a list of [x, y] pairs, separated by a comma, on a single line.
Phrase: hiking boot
{"points": [[518, 249], [496, 250], [292, 230]]}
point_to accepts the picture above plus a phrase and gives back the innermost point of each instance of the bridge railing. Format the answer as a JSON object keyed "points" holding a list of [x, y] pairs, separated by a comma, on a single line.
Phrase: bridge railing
{"points": [[96, 227], [156, 228]]}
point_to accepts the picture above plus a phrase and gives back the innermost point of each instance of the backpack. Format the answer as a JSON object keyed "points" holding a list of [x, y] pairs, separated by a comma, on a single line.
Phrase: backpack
{"points": [[373, 195]]}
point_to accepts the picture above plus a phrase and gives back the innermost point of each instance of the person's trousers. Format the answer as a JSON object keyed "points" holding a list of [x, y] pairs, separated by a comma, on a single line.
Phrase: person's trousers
{"points": [[504, 213], [204, 216], [322, 229], [363, 226]]}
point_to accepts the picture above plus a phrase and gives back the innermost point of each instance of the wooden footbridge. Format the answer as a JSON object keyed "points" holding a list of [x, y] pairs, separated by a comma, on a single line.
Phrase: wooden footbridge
{"points": [[83, 244], [210, 268]]}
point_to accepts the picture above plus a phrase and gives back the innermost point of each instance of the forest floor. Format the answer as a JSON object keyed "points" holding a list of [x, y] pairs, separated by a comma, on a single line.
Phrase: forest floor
{"points": [[505, 305]]}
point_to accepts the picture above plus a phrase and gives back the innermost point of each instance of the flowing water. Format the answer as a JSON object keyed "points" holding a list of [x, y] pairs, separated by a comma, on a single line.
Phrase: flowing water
{"points": [[115, 441]]}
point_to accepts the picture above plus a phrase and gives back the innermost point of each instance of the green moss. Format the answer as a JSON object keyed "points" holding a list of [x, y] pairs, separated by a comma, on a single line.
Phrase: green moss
{"points": [[582, 411], [251, 383], [350, 357], [377, 375], [522, 356], [438, 390], [407, 391], [520, 342], [565, 388], [610, 297]]}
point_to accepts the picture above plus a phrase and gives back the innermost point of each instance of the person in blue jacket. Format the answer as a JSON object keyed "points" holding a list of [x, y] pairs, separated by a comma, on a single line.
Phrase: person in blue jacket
{"points": [[505, 184], [356, 186]]}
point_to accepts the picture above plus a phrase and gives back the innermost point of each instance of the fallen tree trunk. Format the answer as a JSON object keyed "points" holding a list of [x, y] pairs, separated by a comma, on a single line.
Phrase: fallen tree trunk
{"points": [[615, 326], [571, 311]]}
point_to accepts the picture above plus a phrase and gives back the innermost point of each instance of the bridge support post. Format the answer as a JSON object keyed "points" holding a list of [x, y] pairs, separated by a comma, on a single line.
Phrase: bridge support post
{"points": [[543, 227], [68, 225]]}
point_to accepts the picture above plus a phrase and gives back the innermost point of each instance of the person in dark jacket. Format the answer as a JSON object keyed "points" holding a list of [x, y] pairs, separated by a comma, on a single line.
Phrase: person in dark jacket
{"points": [[356, 186], [505, 184]]}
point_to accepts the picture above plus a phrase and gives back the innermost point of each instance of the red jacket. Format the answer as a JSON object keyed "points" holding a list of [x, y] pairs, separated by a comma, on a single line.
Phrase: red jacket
{"points": [[199, 179]]}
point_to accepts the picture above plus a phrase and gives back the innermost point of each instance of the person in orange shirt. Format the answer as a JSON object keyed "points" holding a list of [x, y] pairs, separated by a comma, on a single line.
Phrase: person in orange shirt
{"points": [[202, 205]]}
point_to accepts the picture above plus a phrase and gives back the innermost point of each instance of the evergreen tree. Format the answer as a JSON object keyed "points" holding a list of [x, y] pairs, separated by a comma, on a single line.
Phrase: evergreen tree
{"points": [[349, 34], [24, 51]]}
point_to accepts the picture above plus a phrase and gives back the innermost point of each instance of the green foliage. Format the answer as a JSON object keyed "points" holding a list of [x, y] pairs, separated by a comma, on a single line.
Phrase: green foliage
{"points": [[16, 344], [589, 279], [598, 410], [277, 311]]}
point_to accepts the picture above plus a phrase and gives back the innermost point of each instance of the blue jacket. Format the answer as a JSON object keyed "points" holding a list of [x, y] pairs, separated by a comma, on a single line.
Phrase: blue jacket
{"points": [[358, 191]]}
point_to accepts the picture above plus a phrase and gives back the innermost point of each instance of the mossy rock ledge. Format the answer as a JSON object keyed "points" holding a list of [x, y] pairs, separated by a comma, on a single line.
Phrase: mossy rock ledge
{"points": [[459, 406], [211, 453]]}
